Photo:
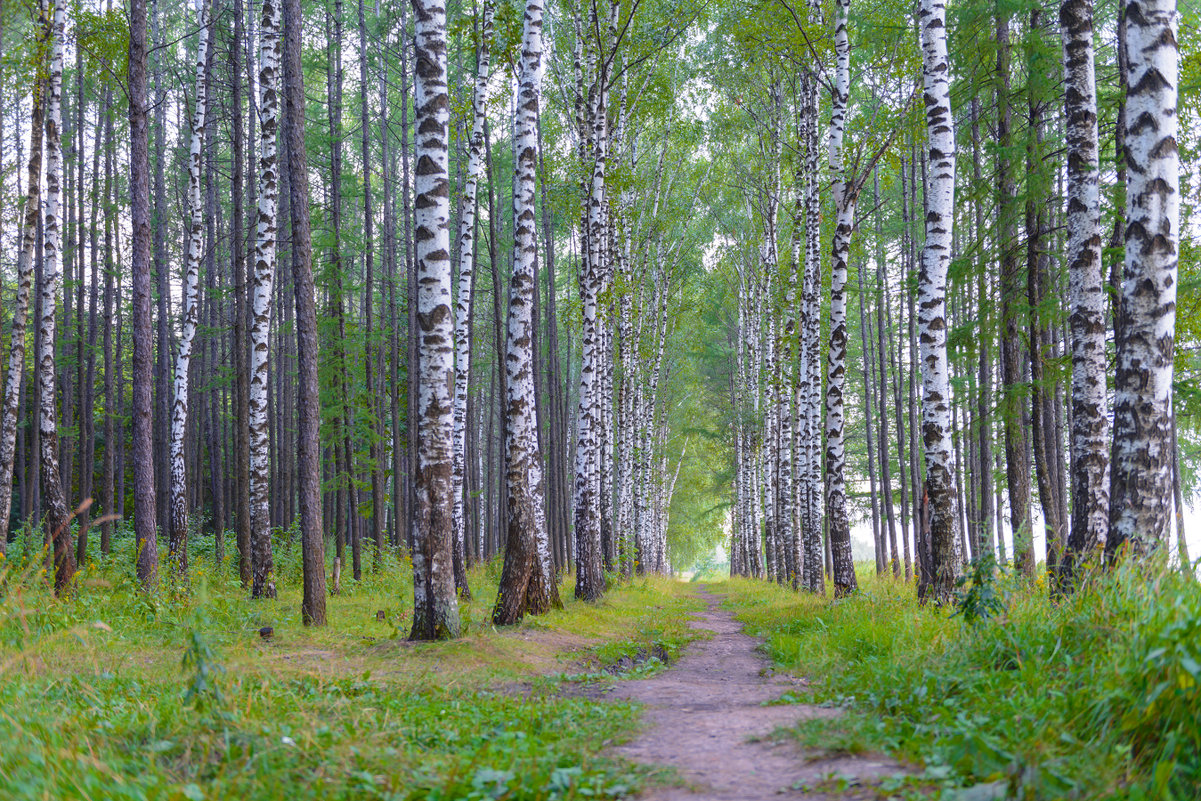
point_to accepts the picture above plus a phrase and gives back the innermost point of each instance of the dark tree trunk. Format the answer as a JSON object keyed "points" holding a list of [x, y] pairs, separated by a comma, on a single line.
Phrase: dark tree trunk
{"points": [[145, 512], [241, 346], [1016, 445], [312, 542]]}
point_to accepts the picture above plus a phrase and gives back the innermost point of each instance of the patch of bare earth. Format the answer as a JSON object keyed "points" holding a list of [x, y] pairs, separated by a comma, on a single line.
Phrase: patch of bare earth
{"points": [[705, 717]]}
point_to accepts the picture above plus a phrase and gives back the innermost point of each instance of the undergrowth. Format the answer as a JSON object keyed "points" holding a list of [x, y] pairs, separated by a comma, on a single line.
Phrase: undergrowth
{"points": [[1094, 696], [118, 694]]}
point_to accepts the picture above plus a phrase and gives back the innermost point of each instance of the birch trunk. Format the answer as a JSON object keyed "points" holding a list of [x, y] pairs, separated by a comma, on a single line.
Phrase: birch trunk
{"points": [[932, 323], [16, 357], [527, 581], [57, 521], [845, 192], [588, 500], [178, 543], [1141, 462], [435, 608], [463, 304], [263, 582], [809, 397]]}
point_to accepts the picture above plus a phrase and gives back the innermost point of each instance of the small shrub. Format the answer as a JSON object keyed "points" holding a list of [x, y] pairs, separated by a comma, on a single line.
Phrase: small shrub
{"points": [[976, 597]]}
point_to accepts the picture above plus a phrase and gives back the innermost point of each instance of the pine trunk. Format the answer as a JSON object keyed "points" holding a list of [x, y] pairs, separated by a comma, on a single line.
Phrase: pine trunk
{"points": [[142, 454], [312, 534]]}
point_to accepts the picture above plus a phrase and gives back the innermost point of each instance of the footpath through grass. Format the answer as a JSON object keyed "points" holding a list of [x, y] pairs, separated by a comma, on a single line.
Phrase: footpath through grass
{"points": [[118, 695], [1097, 696]]}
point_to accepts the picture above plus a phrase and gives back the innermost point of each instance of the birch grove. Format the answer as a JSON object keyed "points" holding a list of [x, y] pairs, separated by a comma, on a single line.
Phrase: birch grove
{"points": [[695, 342]]}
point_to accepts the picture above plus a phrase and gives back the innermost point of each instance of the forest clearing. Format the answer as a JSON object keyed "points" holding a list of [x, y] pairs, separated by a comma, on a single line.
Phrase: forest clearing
{"points": [[662, 399]]}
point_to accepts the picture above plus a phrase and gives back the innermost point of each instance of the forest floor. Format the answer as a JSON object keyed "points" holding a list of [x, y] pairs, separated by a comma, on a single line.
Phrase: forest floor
{"points": [[663, 691], [713, 717], [174, 696]]}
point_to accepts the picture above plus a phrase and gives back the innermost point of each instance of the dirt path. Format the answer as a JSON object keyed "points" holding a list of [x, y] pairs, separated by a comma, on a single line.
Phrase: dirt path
{"points": [[705, 717]]}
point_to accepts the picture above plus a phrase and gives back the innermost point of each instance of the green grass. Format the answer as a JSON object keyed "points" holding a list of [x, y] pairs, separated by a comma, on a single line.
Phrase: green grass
{"points": [[114, 694], [1097, 696]]}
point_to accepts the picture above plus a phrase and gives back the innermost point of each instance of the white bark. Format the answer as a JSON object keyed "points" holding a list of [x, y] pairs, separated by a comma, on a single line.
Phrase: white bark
{"points": [[53, 496], [263, 584], [589, 444], [435, 610], [527, 583], [932, 323], [16, 357], [1141, 471], [844, 191], [809, 481], [1090, 427], [467, 219], [179, 411]]}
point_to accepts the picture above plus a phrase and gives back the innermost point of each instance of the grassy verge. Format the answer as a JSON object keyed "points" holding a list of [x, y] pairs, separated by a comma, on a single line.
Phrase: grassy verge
{"points": [[1094, 697], [119, 695]]}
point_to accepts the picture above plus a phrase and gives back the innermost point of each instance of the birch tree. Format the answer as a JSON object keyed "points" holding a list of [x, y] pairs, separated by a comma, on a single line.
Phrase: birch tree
{"points": [[932, 323], [263, 581], [1090, 427], [588, 503], [527, 581], [20, 312], [57, 520], [808, 401], [435, 608], [178, 547], [1141, 471], [466, 290], [845, 195]]}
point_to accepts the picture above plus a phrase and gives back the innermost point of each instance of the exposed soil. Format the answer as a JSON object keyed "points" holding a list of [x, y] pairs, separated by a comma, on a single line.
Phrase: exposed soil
{"points": [[705, 717]]}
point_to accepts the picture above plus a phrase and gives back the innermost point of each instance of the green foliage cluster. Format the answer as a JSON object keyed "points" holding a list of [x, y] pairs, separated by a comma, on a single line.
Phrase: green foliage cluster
{"points": [[118, 694], [1094, 697]]}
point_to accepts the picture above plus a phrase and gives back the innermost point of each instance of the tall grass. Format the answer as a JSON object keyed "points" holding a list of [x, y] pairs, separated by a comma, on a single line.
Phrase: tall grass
{"points": [[1097, 695]]}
